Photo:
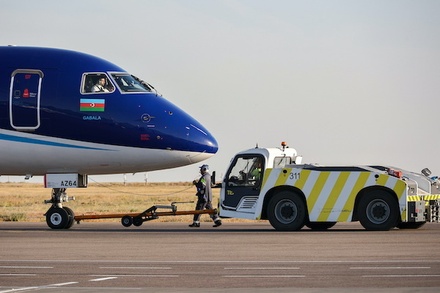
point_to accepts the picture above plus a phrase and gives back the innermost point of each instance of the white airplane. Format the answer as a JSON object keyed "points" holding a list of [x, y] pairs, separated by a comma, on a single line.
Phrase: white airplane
{"points": [[66, 115]]}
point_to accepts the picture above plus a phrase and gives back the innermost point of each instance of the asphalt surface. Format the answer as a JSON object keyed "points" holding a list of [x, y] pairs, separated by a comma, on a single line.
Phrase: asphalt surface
{"points": [[250, 257]]}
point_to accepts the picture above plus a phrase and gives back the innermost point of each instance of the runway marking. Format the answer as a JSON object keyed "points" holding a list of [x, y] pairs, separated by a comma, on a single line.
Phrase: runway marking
{"points": [[261, 268], [24, 267], [19, 289], [134, 268], [224, 261], [389, 268], [399, 276], [38, 287], [60, 284], [264, 276], [20, 275], [103, 279], [148, 276]]}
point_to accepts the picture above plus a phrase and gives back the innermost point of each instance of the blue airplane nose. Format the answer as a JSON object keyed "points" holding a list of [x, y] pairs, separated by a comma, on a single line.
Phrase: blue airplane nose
{"points": [[200, 139], [194, 137], [177, 130]]}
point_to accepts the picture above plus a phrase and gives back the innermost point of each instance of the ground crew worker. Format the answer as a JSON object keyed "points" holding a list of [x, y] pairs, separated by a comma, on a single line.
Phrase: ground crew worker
{"points": [[204, 197], [256, 173]]}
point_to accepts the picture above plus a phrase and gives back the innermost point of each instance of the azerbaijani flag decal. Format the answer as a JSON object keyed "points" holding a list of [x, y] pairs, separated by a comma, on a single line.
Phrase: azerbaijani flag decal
{"points": [[92, 105]]}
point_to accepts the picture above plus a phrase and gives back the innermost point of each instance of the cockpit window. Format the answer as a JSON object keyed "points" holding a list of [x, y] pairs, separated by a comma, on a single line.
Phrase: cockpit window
{"points": [[130, 84], [96, 83]]}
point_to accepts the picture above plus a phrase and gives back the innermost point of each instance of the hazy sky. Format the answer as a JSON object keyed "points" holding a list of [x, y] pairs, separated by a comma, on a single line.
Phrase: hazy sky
{"points": [[343, 82]]}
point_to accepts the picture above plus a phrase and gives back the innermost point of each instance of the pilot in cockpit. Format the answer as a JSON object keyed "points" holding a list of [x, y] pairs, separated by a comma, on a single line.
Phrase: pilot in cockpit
{"points": [[100, 86]]}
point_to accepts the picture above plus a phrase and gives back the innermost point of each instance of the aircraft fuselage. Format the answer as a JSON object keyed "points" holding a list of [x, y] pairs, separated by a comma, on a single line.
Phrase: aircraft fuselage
{"points": [[68, 112]]}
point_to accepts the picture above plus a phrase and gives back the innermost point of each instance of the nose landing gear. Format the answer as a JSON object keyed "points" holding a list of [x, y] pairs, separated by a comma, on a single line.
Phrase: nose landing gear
{"points": [[57, 216]]}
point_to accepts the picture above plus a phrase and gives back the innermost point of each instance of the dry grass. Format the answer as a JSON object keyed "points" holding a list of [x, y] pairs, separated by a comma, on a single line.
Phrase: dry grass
{"points": [[25, 201]]}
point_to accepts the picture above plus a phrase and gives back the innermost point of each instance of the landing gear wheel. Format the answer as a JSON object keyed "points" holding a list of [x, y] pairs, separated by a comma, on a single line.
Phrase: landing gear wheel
{"points": [[137, 221], [127, 221], [71, 215], [57, 218], [320, 226], [286, 211], [378, 210]]}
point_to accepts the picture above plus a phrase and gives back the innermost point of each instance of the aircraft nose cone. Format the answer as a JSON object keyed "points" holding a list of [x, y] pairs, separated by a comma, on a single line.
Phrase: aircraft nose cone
{"points": [[203, 140], [184, 133], [212, 145], [200, 143]]}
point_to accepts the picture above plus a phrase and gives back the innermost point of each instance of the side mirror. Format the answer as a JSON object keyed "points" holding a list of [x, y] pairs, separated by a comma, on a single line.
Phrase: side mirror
{"points": [[213, 183]]}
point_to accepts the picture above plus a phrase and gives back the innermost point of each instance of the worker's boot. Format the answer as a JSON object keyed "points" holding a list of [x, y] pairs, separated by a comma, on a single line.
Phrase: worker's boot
{"points": [[217, 223], [195, 225]]}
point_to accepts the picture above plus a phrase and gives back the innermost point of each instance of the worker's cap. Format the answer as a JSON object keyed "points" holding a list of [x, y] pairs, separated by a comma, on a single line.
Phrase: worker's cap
{"points": [[204, 167]]}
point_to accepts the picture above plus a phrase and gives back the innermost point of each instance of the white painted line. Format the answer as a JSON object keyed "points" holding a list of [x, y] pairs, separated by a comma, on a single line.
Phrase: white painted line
{"points": [[134, 268], [24, 267], [400, 276], [19, 289], [390, 261], [103, 279], [260, 268], [264, 276], [60, 284], [147, 276], [38, 287], [389, 268], [20, 275]]}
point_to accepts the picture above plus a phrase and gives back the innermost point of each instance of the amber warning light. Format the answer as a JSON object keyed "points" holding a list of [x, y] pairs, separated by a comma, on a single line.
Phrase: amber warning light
{"points": [[284, 145], [395, 173]]}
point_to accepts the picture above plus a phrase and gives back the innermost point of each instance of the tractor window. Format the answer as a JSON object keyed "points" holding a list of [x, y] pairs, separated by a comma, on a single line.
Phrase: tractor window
{"points": [[96, 83], [246, 171], [281, 162]]}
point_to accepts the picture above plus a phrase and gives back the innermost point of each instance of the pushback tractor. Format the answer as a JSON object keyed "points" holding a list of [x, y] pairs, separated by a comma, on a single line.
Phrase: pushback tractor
{"points": [[273, 184]]}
